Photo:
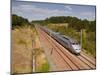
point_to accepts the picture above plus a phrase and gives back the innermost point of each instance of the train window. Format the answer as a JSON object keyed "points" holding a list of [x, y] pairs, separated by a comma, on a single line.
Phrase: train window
{"points": [[65, 38], [73, 43]]}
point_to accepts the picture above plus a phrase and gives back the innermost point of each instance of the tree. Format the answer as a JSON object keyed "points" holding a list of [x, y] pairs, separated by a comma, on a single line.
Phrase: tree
{"points": [[18, 21]]}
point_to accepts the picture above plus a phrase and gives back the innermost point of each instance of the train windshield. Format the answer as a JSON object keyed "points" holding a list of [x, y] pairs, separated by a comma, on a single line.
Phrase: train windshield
{"points": [[75, 43]]}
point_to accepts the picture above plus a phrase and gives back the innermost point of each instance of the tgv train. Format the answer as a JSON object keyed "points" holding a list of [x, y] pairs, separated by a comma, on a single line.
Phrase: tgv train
{"points": [[67, 42]]}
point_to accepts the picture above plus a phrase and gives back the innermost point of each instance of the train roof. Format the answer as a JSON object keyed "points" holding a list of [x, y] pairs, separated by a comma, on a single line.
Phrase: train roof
{"points": [[64, 36], [70, 39]]}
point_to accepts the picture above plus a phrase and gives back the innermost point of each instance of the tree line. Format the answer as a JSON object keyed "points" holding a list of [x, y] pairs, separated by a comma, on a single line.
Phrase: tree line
{"points": [[73, 22], [18, 21]]}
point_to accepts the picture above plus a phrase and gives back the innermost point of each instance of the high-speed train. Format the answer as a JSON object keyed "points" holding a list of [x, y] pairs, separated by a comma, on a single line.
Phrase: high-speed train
{"points": [[67, 42]]}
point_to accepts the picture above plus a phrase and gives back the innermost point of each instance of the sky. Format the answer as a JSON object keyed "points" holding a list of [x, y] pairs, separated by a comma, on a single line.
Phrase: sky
{"points": [[40, 11]]}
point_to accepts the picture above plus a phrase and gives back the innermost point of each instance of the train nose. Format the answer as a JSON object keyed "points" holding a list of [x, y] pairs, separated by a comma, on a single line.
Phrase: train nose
{"points": [[76, 47], [78, 50]]}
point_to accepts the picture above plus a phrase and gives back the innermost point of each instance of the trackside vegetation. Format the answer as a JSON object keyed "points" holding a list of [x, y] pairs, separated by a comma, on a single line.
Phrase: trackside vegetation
{"points": [[19, 21], [74, 27], [24, 43]]}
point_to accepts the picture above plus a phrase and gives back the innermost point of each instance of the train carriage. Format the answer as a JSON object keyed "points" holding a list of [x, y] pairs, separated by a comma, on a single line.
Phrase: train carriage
{"points": [[67, 42]]}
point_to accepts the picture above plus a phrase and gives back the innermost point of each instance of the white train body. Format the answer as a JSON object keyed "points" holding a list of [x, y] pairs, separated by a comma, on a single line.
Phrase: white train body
{"points": [[67, 42]]}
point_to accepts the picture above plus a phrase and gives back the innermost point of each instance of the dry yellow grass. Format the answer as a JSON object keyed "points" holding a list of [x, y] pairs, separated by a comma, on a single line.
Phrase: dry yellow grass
{"points": [[25, 41], [22, 49]]}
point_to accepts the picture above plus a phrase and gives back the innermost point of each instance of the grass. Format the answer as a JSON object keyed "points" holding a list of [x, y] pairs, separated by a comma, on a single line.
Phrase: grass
{"points": [[43, 68], [22, 49], [42, 65], [25, 45], [21, 41]]}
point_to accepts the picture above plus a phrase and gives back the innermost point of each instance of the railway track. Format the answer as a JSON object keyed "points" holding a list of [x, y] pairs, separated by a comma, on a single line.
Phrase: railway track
{"points": [[71, 61]]}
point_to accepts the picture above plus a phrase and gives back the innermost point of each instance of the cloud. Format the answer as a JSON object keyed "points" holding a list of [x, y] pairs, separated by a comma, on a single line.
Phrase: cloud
{"points": [[68, 7], [87, 13], [35, 11], [39, 10]]}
